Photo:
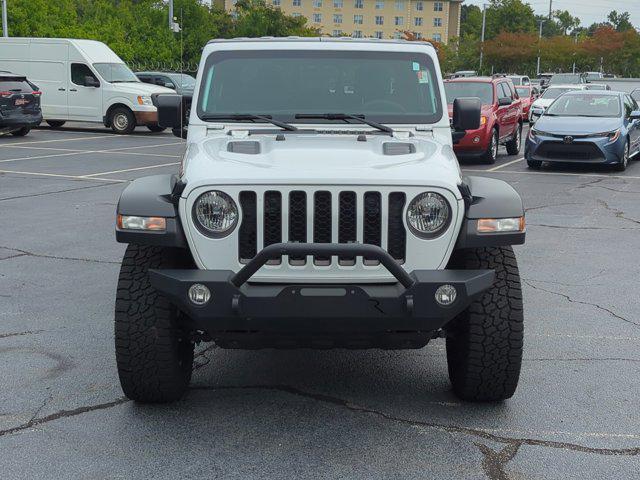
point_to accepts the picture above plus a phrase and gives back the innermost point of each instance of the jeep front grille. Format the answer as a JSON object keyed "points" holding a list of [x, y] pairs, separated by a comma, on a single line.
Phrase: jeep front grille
{"points": [[305, 216]]}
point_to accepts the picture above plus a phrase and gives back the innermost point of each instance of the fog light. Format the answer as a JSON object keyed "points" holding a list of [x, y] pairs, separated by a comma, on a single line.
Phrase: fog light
{"points": [[199, 294], [476, 139], [446, 295]]}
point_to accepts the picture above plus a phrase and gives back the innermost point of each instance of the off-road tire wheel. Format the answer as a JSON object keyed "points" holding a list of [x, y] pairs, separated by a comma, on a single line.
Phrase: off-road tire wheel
{"points": [[156, 128], [491, 154], [122, 121], [534, 164], [622, 166], [154, 354], [55, 123], [484, 343], [22, 132], [515, 144]]}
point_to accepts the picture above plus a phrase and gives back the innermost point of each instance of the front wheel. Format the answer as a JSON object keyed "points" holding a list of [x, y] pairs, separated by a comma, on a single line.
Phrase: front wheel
{"points": [[484, 343], [534, 164], [156, 128], [491, 154], [154, 353], [514, 145], [55, 123], [624, 161], [22, 132], [122, 121]]}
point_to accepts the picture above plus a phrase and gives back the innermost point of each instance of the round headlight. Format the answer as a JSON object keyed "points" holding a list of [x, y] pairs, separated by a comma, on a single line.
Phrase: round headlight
{"points": [[215, 214], [428, 215]]}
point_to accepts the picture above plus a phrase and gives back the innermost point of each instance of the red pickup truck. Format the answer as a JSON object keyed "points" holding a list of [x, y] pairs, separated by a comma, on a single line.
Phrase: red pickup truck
{"points": [[501, 121]]}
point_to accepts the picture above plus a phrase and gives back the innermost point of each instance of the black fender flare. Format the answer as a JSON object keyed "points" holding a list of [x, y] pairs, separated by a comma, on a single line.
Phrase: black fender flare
{"points": [[488, 198], [153, 196]]}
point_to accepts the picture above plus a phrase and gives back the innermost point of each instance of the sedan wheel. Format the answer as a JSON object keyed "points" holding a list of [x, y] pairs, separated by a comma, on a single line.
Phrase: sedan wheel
{"points": [[624, 161]]}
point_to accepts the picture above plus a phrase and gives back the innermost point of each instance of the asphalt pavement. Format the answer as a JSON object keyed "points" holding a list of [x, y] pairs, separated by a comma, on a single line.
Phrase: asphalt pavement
{"points": [[309, 414]]}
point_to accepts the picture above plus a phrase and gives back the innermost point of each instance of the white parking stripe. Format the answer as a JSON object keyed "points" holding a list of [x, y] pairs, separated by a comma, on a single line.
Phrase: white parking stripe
{"points": [[58, 140], [57, 175], [505, 164], [43, 156], [93, 175], [596, 175]]}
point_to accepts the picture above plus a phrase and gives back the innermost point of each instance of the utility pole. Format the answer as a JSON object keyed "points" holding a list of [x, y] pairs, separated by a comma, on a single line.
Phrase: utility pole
{"points": [[539, 42], [575, 52], [5, 27], [550, 9], [173, 25], [484, 24]]}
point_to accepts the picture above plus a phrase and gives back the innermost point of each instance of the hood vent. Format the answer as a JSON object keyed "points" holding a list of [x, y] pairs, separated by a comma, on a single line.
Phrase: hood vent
{"points": [[246, 147], [397, 148]]}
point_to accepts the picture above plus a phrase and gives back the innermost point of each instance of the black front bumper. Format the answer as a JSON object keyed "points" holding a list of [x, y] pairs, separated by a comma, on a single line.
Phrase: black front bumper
{"points": [[408, 305]]}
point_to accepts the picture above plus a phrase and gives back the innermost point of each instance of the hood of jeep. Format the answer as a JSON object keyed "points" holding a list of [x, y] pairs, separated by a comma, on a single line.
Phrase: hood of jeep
{"points": [[306, 159]]}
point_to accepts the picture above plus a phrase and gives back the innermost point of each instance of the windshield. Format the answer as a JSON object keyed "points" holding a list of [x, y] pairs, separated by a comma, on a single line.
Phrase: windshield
{"points": [[586, 105], [184, 80], [386, 87], [566, 78], [523, 91], [115, 72], [516, 80], [552, 93], [482, 90]]}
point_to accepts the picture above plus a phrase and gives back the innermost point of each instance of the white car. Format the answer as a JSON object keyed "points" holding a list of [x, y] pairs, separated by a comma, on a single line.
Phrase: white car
{"points": [[83, 81], [548, 97], [319, 204]]}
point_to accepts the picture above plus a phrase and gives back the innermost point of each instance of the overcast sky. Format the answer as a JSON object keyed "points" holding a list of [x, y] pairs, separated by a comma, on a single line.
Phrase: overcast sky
{"points": [[588, 11]]}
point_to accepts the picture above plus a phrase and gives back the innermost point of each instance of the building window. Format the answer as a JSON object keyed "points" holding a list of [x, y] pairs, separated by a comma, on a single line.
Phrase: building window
{"points": [[417, 21], [296, 14], [357, 34], [317, 18], [437, 37], [419, 6], [437, 22], [357, 19], [400, 5], [358, 4], [337, 3], [276, 3], [337, 18], [337, 33], [379, 20], [437, 6], [418, 35], [317, 3], [297, 3], [378, 34], [399, 21], [379, 4], [397, 35]]}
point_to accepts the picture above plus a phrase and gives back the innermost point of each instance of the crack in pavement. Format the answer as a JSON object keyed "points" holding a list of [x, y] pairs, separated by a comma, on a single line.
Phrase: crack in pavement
{"points": [[494, 463], [456, 429], [571, 300], [616, 212], [539, 207], [202, 354], [54, 257], [19, 334]]}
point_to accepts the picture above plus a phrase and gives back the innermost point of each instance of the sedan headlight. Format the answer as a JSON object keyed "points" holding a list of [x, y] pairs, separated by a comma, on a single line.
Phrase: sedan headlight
{"points": [[215, 214], [428, 215], [613, 136], [145, 101]]}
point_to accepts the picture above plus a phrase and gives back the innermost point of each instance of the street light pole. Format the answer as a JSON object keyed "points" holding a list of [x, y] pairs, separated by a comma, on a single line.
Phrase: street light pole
{"points": [[484, 23], [575, 52], [539, 41], [5, 28], [171, 15]]}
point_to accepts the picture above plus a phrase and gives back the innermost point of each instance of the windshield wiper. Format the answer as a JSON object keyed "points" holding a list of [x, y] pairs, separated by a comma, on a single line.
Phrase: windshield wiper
{"points": [[251, 117], [346, 116]]}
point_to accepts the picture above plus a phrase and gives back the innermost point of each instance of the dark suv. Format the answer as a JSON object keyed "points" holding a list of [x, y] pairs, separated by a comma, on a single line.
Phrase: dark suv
{"points": [[19, 104]]}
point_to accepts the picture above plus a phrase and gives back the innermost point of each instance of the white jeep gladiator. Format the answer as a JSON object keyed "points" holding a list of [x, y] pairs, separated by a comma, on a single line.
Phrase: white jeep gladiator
{"points": [[319, 204]]}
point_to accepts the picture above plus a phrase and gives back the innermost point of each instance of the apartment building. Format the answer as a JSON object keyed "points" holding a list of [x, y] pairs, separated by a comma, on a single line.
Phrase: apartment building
{"points": [[437, 20]]}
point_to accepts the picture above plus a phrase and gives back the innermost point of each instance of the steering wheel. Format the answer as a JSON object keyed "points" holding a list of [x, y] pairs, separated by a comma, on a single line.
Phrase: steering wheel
{"points": [[394, 106]]}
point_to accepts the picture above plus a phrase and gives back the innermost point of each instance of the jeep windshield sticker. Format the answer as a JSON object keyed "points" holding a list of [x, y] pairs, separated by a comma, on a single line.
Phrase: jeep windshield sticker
{"points": [[423, 76], [416, 66]]}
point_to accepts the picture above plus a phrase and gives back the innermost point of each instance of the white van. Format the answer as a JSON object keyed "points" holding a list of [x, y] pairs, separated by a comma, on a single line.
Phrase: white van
{"points": [[82, 81]]}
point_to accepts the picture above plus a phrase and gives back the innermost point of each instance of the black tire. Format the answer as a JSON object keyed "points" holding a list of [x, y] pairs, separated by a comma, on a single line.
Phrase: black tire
{"points": [[22, 132], [491, 154], [154, 354], [484, 343], [156, 128], [55, 123], [534, 164], [122, 120], [622, 166], [515, 144]]}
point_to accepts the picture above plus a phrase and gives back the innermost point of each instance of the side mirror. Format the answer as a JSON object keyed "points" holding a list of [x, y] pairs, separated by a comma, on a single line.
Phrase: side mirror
{"points": [[170, 85], [90, 81], [173, 112], [466, 115], [504, 101], [635, 115]]}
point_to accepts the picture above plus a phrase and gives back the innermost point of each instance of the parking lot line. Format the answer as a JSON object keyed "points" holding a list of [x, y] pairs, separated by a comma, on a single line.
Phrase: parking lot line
{"points": [[59, 140], [51, 155], [596, 175], [58, 175], [94, 175], [505, 164]]}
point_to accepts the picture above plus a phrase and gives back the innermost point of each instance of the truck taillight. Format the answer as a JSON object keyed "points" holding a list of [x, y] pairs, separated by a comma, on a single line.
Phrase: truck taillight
{"points": [[5, 94], [36, 93]]}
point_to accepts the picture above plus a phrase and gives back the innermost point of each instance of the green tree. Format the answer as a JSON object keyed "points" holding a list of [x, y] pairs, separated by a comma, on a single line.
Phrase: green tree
{"points": [[511, 16], [566, 21], [256, 19], [620, 21]]}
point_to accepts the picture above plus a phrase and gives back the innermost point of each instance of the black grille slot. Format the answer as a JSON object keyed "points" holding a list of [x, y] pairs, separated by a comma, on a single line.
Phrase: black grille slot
{"points": [[297, 223], [347, 223], [397, 236], [272, 221], [322, 224], [372, 227], [247, 237]]}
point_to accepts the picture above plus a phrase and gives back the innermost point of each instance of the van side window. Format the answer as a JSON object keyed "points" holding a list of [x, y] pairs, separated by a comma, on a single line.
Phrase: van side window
{"points": [[79, 71]]}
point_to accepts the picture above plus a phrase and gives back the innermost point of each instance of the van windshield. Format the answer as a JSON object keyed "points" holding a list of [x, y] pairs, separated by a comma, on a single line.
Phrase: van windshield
{"points": [[386, 87], [115, 72]]}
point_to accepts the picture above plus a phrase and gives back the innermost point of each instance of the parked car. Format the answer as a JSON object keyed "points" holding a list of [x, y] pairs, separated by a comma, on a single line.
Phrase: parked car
{"points": [[593, 76], [182, 83], [290, 227], [501, 121], [528, 95], [568, 79], [550, 94], [598, 86], [635, 94], [586, 126], [520, 80], [464, 73], [544, 79], [19, 104], [83, 81]]}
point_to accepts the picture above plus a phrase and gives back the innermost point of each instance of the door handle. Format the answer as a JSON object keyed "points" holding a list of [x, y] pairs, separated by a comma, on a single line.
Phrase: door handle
{"points": [[73, 90], [61, 89]]}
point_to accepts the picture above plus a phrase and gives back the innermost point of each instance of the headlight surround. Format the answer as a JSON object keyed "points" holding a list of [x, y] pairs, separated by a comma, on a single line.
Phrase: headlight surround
{"points": [[613, 136], [145, 101], [428, 215], [215, 214]]}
